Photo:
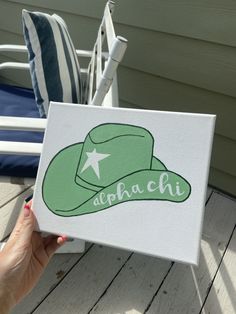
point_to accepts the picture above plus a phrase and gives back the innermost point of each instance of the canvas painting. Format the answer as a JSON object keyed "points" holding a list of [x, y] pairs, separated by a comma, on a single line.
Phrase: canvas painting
{"points": [[132, 179]]}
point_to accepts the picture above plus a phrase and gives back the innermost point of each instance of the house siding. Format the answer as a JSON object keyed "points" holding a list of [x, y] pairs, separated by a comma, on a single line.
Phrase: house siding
{"points": [[181, 56]]}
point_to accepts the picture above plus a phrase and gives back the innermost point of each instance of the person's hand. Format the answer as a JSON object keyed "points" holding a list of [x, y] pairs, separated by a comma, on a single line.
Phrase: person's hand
{"points": [[23, 259]]}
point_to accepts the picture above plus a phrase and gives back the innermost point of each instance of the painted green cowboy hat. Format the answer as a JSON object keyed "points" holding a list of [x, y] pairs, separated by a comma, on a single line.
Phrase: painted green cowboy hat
{"points": [[114, 164]]}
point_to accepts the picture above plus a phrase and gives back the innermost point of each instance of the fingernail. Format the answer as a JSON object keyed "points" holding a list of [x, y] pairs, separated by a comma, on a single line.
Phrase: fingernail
{"points": [[26, 210]]}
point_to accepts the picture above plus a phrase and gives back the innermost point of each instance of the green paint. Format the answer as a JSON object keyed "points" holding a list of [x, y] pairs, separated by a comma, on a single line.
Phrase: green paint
{"points": [[115, 164]]}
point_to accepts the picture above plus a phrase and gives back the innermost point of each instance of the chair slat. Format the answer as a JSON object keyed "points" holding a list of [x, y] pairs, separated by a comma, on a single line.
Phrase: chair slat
{"points": [[99, 59], [22, 124], [110, 32], [20, 148], [14, 48], [91, 77], [14, 65]]}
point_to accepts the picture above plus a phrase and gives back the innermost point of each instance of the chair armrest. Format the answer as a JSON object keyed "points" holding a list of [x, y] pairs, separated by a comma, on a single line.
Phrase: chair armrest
{"points": [[117, 50], [22, 124]]}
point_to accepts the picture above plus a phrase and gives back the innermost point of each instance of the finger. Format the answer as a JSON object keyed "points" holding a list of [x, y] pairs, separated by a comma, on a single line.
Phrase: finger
{"points": [[54, 244], [27, 227], [17, 229], [29, 203], [62, 239], [48, 239]]}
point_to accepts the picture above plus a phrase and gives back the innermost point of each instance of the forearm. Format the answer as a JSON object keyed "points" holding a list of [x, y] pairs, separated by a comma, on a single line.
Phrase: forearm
{"points": [[5, 304], [4, 308], [6, 298]]}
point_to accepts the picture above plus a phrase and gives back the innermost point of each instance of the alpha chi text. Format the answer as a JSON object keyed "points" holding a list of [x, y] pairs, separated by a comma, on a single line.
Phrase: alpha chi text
{"points": [[123, 192]]}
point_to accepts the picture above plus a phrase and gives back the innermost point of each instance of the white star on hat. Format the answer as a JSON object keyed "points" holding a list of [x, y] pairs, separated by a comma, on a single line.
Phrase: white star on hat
{"points": [[93, 160]]}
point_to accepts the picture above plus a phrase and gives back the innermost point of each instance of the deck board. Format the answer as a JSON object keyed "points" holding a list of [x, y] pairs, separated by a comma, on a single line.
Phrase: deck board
{"points": [[9, 191], [87, 281], [107, 280], [12, 197], [186, 287], [57, 269], [133, 289], [222, 296]]}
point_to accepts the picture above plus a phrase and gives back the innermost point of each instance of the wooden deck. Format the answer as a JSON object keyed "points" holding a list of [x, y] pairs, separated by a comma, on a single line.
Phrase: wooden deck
{"points": [[107, 280]]}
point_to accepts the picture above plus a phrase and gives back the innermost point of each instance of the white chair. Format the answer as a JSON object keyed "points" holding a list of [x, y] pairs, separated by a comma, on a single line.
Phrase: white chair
{"points": [[100, 89]]}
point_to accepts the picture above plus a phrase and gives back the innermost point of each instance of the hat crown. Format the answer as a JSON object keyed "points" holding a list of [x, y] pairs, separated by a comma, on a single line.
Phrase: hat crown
{"points": [[112, 151]]}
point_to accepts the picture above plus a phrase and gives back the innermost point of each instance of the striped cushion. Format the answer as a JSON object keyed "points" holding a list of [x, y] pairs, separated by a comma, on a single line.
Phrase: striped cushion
{"points": [[54, 66]]}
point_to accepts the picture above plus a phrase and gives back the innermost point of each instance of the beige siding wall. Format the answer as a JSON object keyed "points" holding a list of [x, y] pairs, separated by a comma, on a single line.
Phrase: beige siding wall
{"points": [[181, 56]]}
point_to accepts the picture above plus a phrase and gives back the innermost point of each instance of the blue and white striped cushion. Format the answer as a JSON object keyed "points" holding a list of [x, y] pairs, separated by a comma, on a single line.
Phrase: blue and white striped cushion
{"points": [[54, 67]]}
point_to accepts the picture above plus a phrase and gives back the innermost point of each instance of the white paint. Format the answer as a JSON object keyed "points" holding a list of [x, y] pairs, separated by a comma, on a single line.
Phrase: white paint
{"points": [[161, 228], [93, 159]]}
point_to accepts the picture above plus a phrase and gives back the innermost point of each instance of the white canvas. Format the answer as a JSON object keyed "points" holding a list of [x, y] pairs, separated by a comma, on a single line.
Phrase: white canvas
{"points": [[132, 179]]}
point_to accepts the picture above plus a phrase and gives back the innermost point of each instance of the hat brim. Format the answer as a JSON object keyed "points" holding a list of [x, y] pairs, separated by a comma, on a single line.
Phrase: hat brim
{"points": [[64, 197]]}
